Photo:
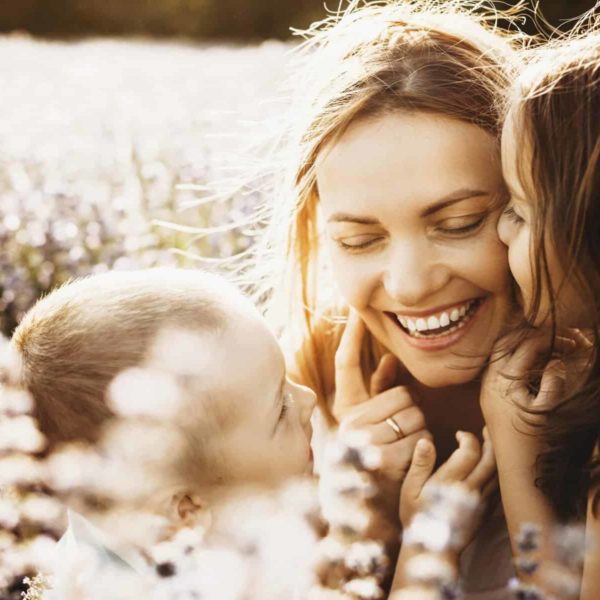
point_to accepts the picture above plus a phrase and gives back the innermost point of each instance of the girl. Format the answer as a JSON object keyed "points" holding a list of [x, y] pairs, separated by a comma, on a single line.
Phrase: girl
{"points": [[398, 177], [551, 163]]}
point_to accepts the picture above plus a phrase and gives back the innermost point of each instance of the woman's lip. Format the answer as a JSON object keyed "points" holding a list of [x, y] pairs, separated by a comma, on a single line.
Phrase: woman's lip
{"points": [[433, 311], [441, 343]]}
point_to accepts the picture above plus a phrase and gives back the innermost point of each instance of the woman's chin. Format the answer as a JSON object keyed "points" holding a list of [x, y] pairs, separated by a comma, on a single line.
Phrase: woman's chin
{"points": [[446, 377]]}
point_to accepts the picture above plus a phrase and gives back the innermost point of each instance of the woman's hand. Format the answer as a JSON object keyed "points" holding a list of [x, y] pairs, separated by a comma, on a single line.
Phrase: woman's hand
{"points": [[391, 419], [470, 465]]}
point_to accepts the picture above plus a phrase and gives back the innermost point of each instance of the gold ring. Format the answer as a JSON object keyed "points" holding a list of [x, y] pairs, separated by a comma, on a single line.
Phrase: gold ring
{"points": [[397, 429]]}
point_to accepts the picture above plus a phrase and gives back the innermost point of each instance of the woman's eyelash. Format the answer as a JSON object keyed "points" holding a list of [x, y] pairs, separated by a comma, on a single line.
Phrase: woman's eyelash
{"points": [[467, 228], [510, 212], [361, 246]]}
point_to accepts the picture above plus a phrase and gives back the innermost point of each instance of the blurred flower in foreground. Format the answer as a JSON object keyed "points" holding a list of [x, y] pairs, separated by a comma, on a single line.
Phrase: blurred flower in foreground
{"points": [[560, 578], [352, 557], [444, 524], [31, 518]]}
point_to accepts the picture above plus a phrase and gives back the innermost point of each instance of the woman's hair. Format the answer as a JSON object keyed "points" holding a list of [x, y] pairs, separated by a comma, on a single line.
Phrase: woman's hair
{"points": [[556, 105], [412, 56], [74, 341]]}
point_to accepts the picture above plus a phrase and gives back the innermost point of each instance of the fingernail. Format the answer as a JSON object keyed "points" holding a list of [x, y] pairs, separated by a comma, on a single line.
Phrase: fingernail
{"points": [[459, 436]]}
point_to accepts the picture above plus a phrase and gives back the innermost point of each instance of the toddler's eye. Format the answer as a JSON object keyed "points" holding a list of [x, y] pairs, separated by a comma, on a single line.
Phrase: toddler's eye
{"points": [[285, 405]]}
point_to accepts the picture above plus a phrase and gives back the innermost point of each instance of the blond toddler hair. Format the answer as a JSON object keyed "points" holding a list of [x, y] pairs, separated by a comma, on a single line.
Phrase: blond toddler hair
{"points": [[74, 341]]}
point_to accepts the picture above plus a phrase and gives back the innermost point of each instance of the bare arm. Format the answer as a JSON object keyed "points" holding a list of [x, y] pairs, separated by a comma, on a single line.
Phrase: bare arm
{"points": [[517, 445], [591, 567]]}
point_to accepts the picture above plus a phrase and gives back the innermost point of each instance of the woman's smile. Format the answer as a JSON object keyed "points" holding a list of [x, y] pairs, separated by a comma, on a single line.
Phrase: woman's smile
{"points": [[438, 329]]}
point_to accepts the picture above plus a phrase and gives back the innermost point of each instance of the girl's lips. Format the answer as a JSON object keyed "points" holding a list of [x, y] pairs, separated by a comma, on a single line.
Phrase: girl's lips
{"points": [[443, 342]]}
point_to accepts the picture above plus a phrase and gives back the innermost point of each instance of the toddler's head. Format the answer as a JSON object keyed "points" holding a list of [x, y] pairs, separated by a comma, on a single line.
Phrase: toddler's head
{"points": [[246, 423]]}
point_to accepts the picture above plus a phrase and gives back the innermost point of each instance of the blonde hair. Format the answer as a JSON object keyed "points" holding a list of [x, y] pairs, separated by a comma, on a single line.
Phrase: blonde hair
{"points": [[410, 56], [75, 340]]}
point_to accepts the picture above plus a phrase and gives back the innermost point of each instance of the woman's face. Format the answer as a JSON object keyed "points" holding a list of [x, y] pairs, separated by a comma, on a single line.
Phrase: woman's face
{"points": [[411, 203]]}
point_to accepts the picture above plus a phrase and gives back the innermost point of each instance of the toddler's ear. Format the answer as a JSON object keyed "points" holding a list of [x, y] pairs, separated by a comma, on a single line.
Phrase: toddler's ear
{"points": [[189, 509]]}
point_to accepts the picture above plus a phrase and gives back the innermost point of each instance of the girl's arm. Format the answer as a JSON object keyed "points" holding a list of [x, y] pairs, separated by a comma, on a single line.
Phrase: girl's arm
{"points": [[518, 443], [590, 583]]}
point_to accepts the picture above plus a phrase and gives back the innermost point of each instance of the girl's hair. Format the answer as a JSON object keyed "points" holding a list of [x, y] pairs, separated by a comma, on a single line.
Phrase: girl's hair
{"points": [[412, 56], [556, 104], [74, 341]]}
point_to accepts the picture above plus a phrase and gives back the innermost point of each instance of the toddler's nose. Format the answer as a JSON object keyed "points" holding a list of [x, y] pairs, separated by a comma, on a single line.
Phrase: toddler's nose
{"points": [[305, 399]]}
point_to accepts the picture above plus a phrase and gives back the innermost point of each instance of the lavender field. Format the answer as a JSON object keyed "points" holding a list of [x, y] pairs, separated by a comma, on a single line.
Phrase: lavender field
{"points": [[97, 138]]}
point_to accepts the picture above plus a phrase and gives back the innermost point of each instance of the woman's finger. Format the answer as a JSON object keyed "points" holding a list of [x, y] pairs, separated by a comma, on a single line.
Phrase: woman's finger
{"points": [[349, 382], [384, 376], [377, 409], [409, 421], [485, 468], [462, 461]]}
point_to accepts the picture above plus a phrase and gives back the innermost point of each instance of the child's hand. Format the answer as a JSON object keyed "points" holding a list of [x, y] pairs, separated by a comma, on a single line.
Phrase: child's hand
{"points": [[470, 465], [391, 419], [507, 381]]}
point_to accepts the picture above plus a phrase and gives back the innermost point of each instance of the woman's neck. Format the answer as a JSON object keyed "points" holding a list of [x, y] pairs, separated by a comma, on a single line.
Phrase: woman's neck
{"points": [[448, 410]]}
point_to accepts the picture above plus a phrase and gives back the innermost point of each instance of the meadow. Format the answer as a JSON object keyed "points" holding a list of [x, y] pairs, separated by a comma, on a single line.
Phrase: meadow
{"points": [[101, 143]]}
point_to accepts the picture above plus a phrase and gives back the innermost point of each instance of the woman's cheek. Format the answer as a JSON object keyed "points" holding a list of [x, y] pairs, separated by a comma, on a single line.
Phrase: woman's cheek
{"points": [[356, 278]]}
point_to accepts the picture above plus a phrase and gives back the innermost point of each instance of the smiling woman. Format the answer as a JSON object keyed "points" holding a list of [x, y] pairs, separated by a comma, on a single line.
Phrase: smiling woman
{"points": [[397, 177], [417, 255]]}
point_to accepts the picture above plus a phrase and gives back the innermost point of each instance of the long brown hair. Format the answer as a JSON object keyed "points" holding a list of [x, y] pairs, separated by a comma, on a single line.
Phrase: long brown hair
{"points": [[443, 58], [556, 101]]}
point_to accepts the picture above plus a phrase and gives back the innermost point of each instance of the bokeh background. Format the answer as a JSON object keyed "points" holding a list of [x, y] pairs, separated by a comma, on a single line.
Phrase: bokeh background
{"points": [[195, 19], [119, 116]]}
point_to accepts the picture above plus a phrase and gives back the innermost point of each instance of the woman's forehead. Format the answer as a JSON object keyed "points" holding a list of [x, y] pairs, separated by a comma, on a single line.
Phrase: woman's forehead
{"points": [[413, 159]]}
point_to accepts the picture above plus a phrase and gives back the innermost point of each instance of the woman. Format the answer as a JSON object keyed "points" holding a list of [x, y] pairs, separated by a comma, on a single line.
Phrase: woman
{"points": [[398, 177], [551, 230]]}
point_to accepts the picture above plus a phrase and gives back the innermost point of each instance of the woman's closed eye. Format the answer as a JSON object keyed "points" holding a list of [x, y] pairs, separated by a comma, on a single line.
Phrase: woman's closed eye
{"points": [[359, 242], [462, 226]]}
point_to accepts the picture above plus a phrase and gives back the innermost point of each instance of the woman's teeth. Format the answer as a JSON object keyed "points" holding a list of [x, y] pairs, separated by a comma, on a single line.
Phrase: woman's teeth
{"points": [[440, 324]]}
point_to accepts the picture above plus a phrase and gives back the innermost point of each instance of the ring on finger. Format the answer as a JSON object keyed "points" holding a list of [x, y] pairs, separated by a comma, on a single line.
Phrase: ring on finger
{"points": [[397, 429]]}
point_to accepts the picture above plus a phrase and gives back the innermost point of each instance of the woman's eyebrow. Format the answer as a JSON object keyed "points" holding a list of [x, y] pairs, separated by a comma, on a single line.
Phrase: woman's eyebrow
{"points": [[348, 218], [458, 196], [453, 198]]}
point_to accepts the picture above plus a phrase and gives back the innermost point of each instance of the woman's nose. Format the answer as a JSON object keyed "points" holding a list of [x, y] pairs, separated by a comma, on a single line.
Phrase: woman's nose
{"points": [[413, 275]]}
